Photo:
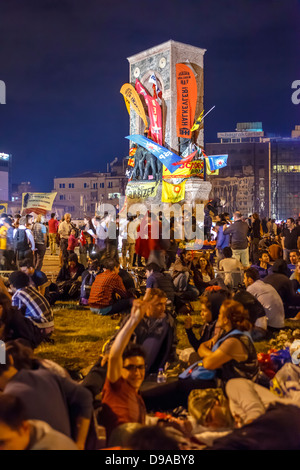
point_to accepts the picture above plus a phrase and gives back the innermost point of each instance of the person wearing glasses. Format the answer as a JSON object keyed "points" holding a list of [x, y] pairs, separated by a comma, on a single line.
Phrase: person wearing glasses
{"points": [[121, 399]]}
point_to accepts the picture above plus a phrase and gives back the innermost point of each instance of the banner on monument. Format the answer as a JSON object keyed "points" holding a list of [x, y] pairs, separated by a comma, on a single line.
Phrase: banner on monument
{"points": [[40, 203], [3, 208], [185, 170], [167, 157], [140, 190], [132, 97], [157, 93], [172, 193], [210, 172], [154, 111], [217, 161], [186, 100]]}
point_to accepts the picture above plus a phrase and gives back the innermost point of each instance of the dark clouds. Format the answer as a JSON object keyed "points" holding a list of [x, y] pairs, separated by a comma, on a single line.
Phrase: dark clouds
{"points": [[64, 61]]}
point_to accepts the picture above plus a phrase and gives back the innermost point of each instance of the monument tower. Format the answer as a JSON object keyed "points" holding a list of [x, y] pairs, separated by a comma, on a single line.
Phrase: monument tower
{"points": [[161, 60]]}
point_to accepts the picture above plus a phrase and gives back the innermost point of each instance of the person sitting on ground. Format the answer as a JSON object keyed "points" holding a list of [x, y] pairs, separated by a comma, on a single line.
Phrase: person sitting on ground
{"points": [[38, 279], [121, 400], [278, 278], [182, 275], [13, 325], [71, 404], [19, 433], [152, 437], [69, 279], [210, 303], [257, 314], [159, 280], [155, 333], [105, 288], [263, 267], [88, 277], [269, 299], [235, 409], [203, 273], [233, 354], [231, 267], [295, 277], [34, 305], [294, 258], [275, 248]]}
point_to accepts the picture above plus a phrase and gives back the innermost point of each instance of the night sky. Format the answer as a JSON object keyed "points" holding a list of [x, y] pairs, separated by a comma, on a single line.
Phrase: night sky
{"points": [[64, 62]]}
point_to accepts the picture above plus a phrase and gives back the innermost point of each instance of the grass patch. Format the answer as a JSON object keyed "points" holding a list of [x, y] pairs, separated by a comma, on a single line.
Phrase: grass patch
{"points": [[79, 336]]}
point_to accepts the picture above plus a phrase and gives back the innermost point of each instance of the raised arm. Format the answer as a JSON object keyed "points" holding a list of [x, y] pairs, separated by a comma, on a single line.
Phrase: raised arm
{"points": [[115, 360]]}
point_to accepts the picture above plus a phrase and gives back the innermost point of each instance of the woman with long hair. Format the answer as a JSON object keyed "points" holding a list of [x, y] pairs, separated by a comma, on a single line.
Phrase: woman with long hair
{"points": [[233, 355], [203, 273]]}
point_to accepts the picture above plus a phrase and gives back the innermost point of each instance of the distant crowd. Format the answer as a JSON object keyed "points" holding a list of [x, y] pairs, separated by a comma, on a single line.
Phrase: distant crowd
{"points": [[245, 283]]}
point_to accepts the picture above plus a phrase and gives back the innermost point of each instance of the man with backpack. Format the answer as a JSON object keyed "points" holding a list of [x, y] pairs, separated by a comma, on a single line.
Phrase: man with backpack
{"points": [[24, 245]]}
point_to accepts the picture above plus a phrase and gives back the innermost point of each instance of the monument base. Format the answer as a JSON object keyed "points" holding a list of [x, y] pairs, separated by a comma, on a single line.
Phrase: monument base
{"points": [[149, 193]]}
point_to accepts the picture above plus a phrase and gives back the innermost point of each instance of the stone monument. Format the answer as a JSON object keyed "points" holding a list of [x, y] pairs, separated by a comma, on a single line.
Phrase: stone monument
{"points": [[161, 60]]}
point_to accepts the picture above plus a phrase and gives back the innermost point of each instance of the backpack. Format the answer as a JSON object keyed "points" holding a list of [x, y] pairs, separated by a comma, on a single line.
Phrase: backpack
{"points": [[21, 241], [86, 287]]}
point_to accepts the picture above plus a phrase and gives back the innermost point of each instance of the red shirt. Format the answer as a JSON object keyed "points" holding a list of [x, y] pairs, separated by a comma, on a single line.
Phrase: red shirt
{"points": [[121, 404], [53, 224], [104, 286]]}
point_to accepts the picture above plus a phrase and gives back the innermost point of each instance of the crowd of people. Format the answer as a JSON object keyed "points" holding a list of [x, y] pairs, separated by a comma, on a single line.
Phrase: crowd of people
{"points": [[215, 395]]}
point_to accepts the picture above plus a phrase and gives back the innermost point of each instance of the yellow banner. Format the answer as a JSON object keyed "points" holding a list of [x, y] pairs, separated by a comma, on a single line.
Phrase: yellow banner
{"points": [[185, 170], [172, 192], [3, 208], [131, 96], [141, 190], [40, 203], [197, 122], [208, 170]]}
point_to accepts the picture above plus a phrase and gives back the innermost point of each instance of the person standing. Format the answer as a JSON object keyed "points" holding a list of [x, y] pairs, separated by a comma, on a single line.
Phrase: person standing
{"points": [[64, 230], [255, 235], [24, 244], [239, 239], [53, 226], [290, 238], [40, 238]]}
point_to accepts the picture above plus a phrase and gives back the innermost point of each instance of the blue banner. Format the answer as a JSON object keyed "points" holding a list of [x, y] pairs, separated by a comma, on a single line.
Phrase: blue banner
{"points": [[217, 161], [166, 157]]}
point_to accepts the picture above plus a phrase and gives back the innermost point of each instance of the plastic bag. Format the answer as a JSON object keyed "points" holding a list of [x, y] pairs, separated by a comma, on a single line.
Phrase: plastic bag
{"points": [[197, 372]]}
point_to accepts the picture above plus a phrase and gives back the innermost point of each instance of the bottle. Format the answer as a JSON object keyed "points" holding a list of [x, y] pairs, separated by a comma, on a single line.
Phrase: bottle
{"points": [[161, 376]]}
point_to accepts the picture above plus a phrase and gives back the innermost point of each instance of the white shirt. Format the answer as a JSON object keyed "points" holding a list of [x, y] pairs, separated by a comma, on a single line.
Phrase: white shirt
{"points": [[271, 301]]}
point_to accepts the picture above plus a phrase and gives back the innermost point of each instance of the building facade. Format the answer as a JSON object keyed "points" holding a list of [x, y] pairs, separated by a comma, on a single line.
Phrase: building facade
{"points": [[285, 175], [262, 173], [81, 195]]}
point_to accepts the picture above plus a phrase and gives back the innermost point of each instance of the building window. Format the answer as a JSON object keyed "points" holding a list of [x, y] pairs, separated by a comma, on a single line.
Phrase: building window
{"points": [[71, 185], [62, 197], [62, 185], [86, 185], [95, 185], [110, 185]]}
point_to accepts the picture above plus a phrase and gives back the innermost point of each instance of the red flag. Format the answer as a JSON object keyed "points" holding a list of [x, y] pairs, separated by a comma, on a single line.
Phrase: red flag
{"points": [[154, 110], [187, 159]]}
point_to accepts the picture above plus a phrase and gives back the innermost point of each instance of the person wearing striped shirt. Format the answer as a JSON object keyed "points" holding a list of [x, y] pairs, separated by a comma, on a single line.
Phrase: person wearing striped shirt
{"points": [[29, 300]]}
